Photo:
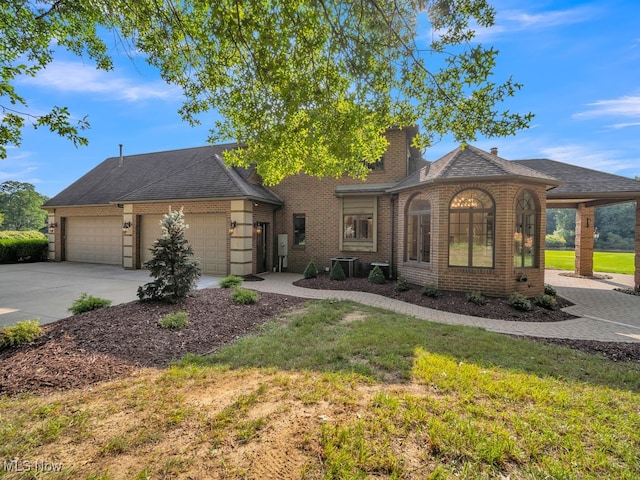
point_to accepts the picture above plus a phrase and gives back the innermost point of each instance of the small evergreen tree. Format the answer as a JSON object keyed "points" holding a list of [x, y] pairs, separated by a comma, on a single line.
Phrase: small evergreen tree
{"points": [[337, 273], [376, 275], [173, 266], [311, 271]]}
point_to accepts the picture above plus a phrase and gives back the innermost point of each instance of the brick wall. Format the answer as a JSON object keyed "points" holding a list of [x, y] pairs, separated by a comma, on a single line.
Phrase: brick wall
{"points": [[316, 199], [500, 280]]}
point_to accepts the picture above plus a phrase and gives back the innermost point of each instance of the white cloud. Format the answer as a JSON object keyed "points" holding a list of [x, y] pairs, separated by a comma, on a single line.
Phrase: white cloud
{"points": [[79, 78], [510, 21], [610, 161], [627, 106]]}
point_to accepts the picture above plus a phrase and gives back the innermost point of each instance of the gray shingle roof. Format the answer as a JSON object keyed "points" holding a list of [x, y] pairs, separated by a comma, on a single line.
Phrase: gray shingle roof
{"points": [[581, 181], [186, 174], [472, 163]]}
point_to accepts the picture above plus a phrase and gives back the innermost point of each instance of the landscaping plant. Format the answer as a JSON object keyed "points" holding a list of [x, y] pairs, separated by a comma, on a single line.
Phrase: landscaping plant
{"points": [[376, 275], [87, 302], [477, 298], [230, 281], [311, 271], [21, 332], [519, 302], [337, 273], [401, 285], [174, 321], [175, 270], [243, 296]]}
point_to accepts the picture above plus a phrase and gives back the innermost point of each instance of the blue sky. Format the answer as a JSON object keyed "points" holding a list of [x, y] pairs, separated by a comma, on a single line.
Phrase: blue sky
{"points": [[579, 63]]}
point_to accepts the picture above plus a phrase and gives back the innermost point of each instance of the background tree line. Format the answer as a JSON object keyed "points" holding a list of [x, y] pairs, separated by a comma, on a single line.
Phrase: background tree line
{"points": [[20, 207], [615, 224]]}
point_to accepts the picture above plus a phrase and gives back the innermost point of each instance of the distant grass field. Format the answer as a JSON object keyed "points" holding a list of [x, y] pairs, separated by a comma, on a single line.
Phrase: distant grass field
{"points": [[608, 262]]}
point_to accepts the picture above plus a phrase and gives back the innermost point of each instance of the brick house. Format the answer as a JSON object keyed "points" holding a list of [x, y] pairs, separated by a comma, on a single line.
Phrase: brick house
{"points": [[468, 221]]}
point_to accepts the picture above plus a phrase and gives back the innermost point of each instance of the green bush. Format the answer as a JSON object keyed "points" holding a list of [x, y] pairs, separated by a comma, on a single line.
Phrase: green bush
{"points": [[311, 271], [431, 291], [22, 235], [477, 298], [21, 332], [519, 302], [401, 285], [243, 296], [554, 241], [549, 290], [545, 301], [174, 321], [230, 281], [86, 303], [337, 273], [13, 250], [376, 275]]}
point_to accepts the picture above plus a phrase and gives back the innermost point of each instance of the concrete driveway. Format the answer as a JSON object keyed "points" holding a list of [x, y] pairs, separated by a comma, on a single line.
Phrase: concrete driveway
{"points": [[47, 290]]}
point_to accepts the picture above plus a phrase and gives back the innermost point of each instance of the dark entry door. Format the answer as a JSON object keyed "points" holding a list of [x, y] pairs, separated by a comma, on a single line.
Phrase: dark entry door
{"points": [[261, 247]]}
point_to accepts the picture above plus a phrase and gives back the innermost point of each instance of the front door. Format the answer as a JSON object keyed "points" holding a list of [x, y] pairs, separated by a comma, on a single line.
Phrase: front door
{"points": [[261, 247]]}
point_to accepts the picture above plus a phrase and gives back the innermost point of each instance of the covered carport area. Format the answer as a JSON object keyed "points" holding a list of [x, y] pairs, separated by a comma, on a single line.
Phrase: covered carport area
{"points": [[584, 189]]}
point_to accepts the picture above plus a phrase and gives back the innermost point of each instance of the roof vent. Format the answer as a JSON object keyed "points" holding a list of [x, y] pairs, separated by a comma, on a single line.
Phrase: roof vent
{"points": [[494, 151], [121, 159]]}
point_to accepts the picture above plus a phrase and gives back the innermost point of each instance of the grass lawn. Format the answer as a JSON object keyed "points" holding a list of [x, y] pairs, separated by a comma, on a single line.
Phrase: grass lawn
{"points": [[607, 262], [344, 391]]}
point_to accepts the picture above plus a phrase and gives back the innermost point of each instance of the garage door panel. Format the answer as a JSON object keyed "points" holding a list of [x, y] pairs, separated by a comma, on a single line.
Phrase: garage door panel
{"points": [[207, 234], [94, 240]]}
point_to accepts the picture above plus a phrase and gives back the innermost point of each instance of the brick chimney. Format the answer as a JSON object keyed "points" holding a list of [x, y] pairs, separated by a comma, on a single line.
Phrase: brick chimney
{"points": [[494, 151]]}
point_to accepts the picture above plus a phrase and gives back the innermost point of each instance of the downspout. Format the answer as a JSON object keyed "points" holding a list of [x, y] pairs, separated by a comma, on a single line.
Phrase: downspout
{"points": [[392, 229], [274, 237]]}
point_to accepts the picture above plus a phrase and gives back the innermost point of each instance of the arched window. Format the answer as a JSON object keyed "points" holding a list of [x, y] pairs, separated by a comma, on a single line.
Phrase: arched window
{"points": [[471, 229], [524, 235], [418, 222]]}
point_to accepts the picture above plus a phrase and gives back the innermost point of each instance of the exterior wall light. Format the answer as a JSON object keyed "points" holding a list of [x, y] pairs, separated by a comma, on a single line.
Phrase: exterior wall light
{"points": [[126, 226], [232, 227], [52, 227], [258, 227]]}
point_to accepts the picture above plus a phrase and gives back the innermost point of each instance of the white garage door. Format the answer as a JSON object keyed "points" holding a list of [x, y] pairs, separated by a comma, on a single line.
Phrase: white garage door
{"points": [[207, 234], [94, 240]]}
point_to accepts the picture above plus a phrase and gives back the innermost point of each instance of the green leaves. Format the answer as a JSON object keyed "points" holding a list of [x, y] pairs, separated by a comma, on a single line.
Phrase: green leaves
{"points": [[307, 85]]}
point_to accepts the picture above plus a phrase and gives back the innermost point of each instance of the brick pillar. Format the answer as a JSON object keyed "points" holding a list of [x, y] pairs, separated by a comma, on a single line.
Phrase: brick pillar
{"points": [[584, 240], [637, 261], [241, 254]]}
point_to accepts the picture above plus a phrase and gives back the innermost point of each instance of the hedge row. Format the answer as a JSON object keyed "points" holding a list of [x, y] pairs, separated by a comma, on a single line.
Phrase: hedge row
{"points": [[22, 235], [23, 250]]}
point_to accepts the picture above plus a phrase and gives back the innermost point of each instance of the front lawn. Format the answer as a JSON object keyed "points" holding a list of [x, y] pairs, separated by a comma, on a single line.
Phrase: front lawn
{"points": [[341, 390], [606, 262]]}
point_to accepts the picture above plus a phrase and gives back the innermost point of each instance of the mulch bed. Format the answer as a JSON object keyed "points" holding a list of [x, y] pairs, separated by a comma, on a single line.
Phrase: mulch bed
{"points": [[455, 302], [112, 343]]}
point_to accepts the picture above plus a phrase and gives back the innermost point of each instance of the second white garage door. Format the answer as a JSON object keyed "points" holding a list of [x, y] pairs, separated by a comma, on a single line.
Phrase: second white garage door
{"points": [[207, 234], [94, 240]]}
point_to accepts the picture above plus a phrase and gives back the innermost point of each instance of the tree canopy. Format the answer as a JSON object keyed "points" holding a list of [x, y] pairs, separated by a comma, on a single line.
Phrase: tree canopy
{"points": [[304, 85], [20, 207]]}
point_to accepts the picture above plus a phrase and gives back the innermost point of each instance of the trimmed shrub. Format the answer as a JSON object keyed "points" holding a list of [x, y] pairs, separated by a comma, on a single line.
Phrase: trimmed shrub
{"points": [[545, 301], [13, 250], [21, 332], [401, 285], [549, 290], [337, 273], [311, 271], [477, 298], [376, 275], [22, 235], [519, 302], [87, 302], [431, 291], [244, 296], [230, 281], [174, 321]]}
